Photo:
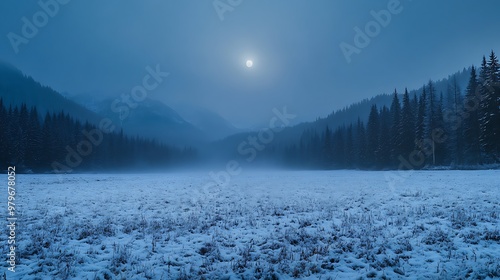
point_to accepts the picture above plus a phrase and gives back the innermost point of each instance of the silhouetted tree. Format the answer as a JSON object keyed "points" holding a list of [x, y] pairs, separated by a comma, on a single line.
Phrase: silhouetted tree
{"points": [[373, 134], [384, 149], [407, 126], [395, 125], [472, 130], [488, 79]]}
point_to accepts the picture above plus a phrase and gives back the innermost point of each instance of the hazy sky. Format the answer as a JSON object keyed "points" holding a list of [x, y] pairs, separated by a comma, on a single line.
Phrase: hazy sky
{"points": [[103, 47]]}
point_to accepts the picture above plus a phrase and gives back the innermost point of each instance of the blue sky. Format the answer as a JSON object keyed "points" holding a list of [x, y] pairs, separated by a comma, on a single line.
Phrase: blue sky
{"points": [[101, 48]]}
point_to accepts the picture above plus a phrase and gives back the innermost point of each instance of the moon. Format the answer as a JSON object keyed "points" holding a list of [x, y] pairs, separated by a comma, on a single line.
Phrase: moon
{"points": [[249, 63]]}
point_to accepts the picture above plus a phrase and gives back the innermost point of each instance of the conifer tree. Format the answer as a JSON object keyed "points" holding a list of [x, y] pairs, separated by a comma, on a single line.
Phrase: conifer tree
{"points": [[439, 136], [395, 125], [3, 136], [431, 122], [472, 132], [384, 150], [34, 145], [327, 151], [373, 136], [494, 85], [349, 147], [422, 105], [407, 127], [361, 150], [489, 106]]}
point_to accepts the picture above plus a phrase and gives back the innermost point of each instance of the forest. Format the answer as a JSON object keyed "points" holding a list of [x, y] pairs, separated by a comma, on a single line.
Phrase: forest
{"points": [[454, 129], [59, 143]]}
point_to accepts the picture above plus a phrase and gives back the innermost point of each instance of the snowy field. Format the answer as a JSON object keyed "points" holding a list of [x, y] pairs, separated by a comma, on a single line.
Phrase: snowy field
{"points": [[262, 225]]}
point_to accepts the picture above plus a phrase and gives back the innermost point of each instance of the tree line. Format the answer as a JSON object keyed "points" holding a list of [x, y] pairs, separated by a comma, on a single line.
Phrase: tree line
{"points": [[58, 143], [455, 128]]}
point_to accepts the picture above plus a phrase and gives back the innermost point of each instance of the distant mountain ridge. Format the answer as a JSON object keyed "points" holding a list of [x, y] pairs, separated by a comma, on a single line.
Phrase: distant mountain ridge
{"points": [[17, 88], [150, 119], [156, 119], [211, 123], [345, 116]]}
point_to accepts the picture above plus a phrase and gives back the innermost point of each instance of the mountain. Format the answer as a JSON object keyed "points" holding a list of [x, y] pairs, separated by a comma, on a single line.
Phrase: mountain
{"points": [[361, 109], [17, 88], [345, 116], [185, 124], [212, 124], [150, 118]]}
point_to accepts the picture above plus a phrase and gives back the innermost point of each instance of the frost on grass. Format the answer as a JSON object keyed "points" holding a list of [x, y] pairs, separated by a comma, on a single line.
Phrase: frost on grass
{"points": [[274, 225]]}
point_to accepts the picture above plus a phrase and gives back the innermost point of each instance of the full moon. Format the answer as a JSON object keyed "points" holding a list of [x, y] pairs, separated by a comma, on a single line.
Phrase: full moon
{"points": [[249, 63]]}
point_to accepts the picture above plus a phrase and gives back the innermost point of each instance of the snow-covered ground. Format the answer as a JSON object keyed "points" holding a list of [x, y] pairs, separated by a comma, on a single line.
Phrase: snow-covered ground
{"points": [[274, 225]]}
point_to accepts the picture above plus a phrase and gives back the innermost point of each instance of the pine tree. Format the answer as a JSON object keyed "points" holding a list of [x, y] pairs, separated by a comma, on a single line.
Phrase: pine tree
{"points": [[489, 106], [373, 136], [431, 122], [395, 124], [23, 135], [440, 151], [407, 126], [14, 135], [494, 85], [3, 136], [361, 148], [450, 102], [384, 151], [327, 152], [457, 95], [414, 109], [48, 140], [34, 146], [431, 110], [472, 151], [456, 145], [349, 147], [339, 147], [422, 105]]}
